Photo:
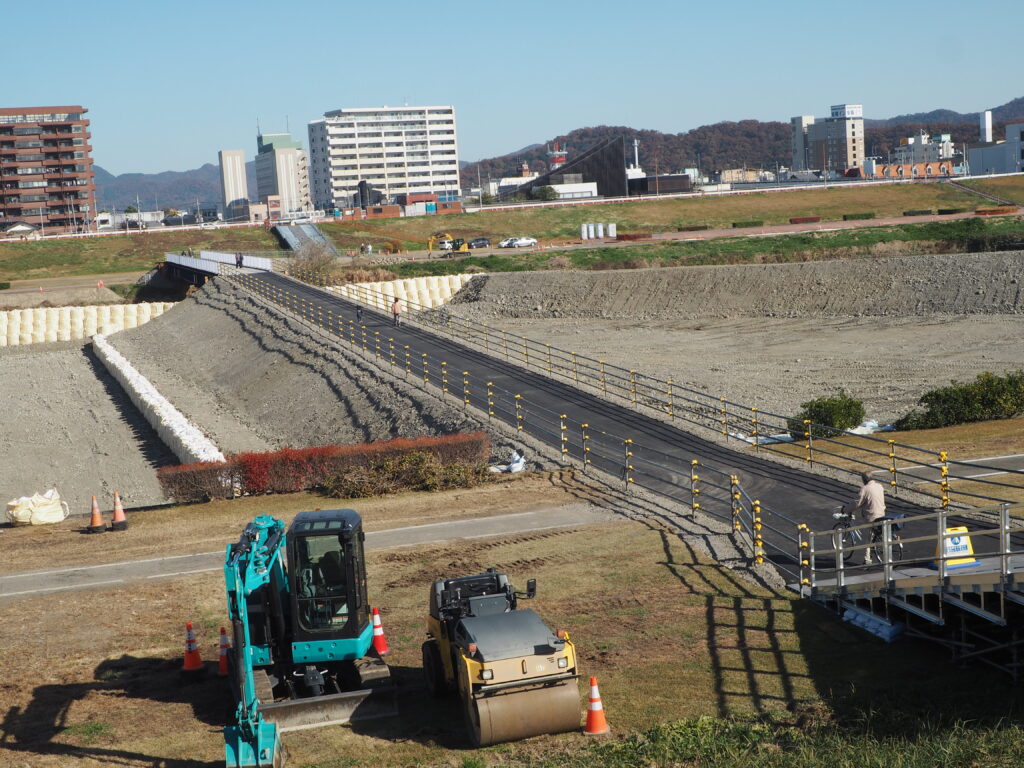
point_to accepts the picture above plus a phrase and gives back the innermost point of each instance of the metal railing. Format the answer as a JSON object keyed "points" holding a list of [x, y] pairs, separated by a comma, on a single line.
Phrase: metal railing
{"points": [[685, 480], [904, 465]]}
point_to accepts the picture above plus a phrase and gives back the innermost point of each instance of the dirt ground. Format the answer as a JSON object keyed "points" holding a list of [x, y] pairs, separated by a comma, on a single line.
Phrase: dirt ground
{"points": [[78, 296], [774, 336], [68, 425]]}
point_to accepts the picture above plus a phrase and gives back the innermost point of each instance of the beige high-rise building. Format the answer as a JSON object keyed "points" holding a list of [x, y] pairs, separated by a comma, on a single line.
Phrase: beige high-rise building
{"points": [[281, 171], [233, 186], [833, 144]]}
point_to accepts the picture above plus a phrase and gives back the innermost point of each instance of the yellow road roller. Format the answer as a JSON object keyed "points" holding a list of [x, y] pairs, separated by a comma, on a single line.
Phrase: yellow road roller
{"points": [[516, 678]]}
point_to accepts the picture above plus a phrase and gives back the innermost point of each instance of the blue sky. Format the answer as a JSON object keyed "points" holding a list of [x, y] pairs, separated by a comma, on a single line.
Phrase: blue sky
{"points": [[169, 84]]}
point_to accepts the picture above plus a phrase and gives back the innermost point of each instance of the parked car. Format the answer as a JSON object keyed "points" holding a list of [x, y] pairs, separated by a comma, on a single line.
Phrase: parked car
{"points": [[444, 245], [521, 242], [479, 242], [506, 243]]}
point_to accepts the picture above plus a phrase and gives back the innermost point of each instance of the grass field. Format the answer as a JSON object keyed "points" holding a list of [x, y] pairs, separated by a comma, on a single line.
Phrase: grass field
{"points": [[738, 250], [120, 253], [1009, 187], [555, 224], [697, 666]]}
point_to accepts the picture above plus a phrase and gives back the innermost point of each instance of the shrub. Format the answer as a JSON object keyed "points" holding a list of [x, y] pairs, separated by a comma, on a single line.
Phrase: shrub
{"points": [[918, 212], [392, 246], [635, 262], [996, 211], [416, 471], [987, 397], [559, 262], [805, 219], [857, 216], [4, 285], [948, 211], [828, 415], [294, 469], [742, 224], [692, 228]]}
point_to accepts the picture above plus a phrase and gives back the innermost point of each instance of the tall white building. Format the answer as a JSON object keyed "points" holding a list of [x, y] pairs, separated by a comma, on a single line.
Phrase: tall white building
{"points": [[234, 190], [281, 171], [392, 150]]}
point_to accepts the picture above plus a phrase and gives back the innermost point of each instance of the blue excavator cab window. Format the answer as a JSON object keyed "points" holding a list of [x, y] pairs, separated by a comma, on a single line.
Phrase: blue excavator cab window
{"points": [[322, 584]]}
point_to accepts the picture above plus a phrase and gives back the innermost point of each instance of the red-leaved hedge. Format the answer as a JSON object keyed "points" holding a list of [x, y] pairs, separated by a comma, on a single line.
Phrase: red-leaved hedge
{"points": [[295, 469]]}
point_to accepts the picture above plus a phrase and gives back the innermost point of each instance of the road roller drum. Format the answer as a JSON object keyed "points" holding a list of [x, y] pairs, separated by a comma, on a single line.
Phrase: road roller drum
{"points": [[520, 714]]}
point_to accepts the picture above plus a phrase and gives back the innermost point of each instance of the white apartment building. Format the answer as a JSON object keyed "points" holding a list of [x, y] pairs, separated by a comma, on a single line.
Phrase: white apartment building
{"points": [[281, 171], [394, 150], [924, 149], [234, 190]]}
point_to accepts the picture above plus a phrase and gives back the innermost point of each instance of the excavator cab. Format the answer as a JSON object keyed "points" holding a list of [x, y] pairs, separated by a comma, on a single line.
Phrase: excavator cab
{"points": [[325, 555]]}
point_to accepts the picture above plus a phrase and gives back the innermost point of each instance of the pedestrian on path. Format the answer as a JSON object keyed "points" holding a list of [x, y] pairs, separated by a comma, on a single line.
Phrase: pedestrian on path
{"points": [[238, 260], [359, 314], [396, 311]]}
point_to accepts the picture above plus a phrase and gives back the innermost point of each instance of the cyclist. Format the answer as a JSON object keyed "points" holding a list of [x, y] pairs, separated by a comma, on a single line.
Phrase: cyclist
{"points": [[870, 503]]}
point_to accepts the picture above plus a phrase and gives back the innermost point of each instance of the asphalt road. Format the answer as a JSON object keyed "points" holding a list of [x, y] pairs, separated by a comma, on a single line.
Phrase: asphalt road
{"points": [[96, 576], [662, 452]]}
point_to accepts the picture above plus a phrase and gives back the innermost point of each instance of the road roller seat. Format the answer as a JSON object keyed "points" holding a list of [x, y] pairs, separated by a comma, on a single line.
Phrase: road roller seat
{"points": [[453, 597]]}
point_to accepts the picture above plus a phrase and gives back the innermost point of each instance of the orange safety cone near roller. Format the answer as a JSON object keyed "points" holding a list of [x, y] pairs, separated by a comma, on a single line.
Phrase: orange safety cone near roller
{"points": [[99, 284], [96, 524], [380, 643], [193, 663], [119, 521], [222, 663], [596, 723]]}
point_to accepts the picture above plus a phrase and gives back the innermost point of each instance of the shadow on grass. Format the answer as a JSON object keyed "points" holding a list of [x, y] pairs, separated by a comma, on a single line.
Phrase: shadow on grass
{"points": [[36, 728]]}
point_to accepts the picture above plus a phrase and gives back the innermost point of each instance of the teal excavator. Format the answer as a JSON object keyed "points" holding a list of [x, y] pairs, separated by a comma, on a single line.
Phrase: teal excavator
{"points": [[303, 652]]}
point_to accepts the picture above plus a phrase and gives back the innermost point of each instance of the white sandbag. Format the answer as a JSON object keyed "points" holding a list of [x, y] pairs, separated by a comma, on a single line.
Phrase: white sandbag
{"points": [[37, 509]]}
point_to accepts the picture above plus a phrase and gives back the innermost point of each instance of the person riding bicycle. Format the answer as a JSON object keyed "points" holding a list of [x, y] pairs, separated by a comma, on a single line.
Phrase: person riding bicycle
{"points": [[870, 503]]}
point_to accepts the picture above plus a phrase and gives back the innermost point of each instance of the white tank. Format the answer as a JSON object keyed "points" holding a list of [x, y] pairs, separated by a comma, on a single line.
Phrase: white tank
{"points": [[600, 230], [590, 231], [583, 231], [612, 229]]}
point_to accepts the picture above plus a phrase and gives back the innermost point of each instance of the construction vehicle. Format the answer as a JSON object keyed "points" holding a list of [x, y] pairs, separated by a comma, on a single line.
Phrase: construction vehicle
{"points": [[436, 240], [516, 678], [302, 654]]}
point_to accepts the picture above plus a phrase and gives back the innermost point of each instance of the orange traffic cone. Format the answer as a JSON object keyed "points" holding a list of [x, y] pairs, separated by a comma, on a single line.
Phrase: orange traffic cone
{"points": [[99, 284], [193, 664], [96, 524], [40, 289], [380, 643], [596, 723], [119, 521], [222, 663]]}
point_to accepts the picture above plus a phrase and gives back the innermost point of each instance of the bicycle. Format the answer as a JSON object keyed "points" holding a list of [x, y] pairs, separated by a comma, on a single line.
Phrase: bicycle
{"points": [[844, 536]]}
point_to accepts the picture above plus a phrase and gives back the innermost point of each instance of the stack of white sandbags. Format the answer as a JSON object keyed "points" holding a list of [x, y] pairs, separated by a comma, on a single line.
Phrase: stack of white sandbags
{"points": [[416, 292], [41, 324], [185, 439]]}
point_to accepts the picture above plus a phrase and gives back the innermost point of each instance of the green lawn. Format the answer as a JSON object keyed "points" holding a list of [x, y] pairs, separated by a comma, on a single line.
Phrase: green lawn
{"points": [[120, 253]]}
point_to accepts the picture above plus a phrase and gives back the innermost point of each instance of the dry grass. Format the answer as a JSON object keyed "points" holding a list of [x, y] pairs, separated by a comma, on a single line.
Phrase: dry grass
{"points": [[92, 677], [1008, 187], [554, 224]]}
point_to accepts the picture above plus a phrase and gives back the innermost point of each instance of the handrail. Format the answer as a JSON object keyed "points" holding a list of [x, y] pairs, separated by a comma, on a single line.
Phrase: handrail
{"points": [[732, 420]]}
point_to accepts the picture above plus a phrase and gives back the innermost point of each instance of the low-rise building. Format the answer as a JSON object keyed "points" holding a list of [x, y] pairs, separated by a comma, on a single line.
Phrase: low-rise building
{"points": [[1006, 156]]}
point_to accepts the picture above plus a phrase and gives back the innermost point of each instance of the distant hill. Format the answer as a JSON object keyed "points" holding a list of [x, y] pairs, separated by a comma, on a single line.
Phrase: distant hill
{"points": [[748, 143], [169, 189]]}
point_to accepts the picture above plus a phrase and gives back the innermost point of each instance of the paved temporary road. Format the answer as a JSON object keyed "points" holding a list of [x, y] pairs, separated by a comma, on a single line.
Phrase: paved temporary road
{"points": [[964, 469], [93, 576]]}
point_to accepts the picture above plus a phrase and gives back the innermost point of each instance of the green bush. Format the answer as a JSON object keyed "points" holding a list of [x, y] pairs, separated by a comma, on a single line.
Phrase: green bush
{"points": [[918, 212], [692, 227], [741, 224], [948, 211], [986, 398], [858, 216], [4, 286], [828, 415]]}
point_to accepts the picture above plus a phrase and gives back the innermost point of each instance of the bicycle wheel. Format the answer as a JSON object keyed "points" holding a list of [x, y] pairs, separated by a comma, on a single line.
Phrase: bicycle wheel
{"points": [[897, 549], [842, 538]]}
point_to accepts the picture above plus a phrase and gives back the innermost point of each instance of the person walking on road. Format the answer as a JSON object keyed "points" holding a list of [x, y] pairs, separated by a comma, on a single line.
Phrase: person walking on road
{"points": [[359, 314], [238, 260], [870, 503], [396, 311]]}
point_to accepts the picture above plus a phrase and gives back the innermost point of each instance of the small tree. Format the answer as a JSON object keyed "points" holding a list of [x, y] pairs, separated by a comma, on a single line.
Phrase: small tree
{"points": [[486, 198], [130, 209], [828, 415], [544, 193], [315, 263]]}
